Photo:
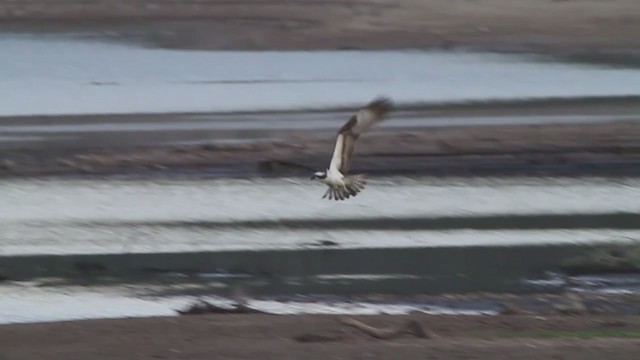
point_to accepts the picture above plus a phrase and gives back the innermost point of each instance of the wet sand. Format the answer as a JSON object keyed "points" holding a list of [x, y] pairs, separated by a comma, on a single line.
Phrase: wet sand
{"points": [[325, 337]]}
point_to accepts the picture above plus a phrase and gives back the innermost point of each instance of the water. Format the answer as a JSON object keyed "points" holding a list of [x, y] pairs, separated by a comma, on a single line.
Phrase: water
{"points": [[76, 216], [57, 200], [24, 303], [71, 217], [66, 76], [56, 217]]}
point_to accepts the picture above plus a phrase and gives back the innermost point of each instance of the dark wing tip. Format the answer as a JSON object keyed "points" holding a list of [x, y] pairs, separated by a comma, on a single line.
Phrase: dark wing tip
{"points": [[381, 105]]}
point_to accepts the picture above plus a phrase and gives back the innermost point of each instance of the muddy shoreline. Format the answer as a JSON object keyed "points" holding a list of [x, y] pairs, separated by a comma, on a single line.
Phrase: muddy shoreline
{"points": [[320, 336], [596, 149], [588, 28]]}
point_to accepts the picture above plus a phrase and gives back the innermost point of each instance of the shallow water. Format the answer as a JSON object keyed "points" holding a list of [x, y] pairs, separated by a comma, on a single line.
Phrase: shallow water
{"points": [[61, 75], [245, 199], [75, 216], [129, 217], [24, 303]]}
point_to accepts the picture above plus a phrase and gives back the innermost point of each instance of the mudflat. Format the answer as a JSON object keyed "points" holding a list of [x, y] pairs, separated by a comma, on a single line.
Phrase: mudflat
{"points": [[573, 26], [326, 337], [600, 149]]}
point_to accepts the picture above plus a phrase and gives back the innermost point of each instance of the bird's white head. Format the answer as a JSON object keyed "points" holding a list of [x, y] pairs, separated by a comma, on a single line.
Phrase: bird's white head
{"points": [[319, 175]]}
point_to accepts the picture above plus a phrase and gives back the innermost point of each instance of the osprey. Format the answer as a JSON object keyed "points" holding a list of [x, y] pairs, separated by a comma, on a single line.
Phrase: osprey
{"points": [[341, 186]]}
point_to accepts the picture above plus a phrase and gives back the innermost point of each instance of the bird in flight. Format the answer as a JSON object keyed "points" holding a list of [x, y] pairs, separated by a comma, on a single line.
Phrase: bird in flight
{"points": [[342, 186]]}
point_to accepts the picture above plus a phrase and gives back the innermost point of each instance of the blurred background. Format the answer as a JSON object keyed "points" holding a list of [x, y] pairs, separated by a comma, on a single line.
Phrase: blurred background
{"points": [[155, 152]]}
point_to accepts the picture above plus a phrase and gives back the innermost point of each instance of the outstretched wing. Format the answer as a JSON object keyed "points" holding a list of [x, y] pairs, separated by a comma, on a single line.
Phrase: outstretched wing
{"points": [[358, 124]]}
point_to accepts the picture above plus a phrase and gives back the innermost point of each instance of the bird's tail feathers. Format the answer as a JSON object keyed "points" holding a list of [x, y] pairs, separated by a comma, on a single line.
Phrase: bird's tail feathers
{"points": [[353, 185]]}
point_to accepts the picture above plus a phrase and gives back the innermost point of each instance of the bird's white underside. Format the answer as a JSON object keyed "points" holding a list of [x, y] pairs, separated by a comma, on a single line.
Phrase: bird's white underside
{"points": [[365, 118]]}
